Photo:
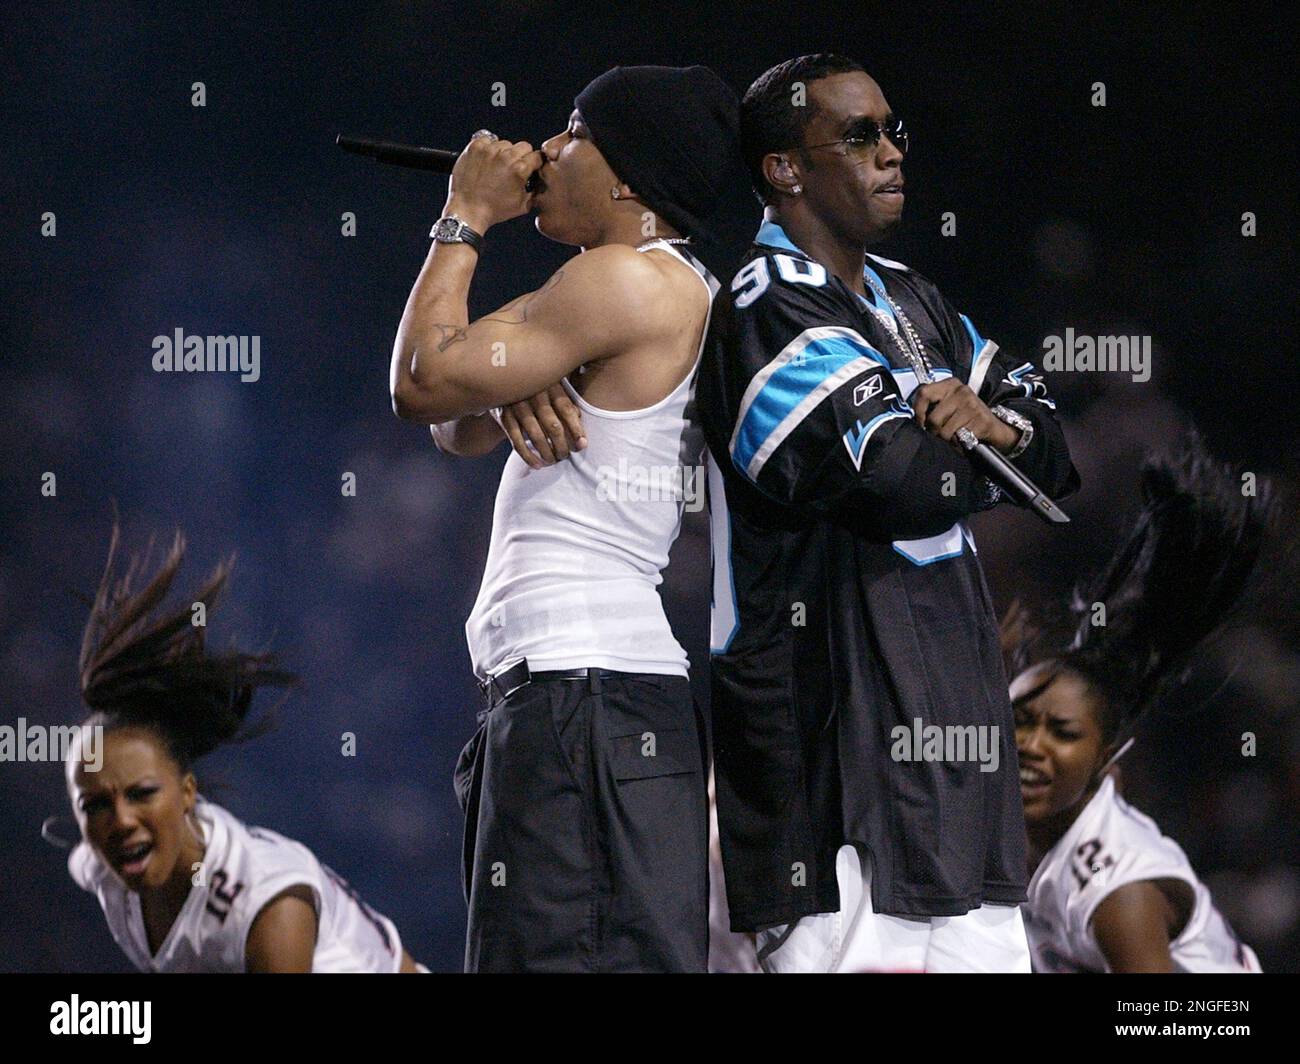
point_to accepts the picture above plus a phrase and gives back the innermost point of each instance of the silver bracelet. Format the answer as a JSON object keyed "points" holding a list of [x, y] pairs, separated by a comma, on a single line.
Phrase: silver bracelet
{"points": [[1016, 421], [990, 494]]}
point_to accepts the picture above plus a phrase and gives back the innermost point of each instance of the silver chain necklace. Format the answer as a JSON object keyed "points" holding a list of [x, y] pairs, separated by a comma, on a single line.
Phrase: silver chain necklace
{"points": [[665, 240], [913, 351]]}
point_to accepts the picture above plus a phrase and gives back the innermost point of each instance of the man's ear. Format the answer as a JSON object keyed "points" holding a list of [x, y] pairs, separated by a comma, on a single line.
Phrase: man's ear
{"points": [[781, 173]]}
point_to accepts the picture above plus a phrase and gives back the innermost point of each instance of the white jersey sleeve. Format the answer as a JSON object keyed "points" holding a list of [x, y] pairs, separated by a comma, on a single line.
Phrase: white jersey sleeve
{"points": [[1111, 845], [243, 869]]}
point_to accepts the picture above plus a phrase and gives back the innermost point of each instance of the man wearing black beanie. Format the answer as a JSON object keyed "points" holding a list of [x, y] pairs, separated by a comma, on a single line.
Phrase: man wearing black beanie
{"points": [[584, 785]]}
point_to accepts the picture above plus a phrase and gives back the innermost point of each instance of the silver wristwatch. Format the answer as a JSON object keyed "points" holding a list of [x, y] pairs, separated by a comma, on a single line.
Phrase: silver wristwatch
{"points": [[451, 230], [1016, 421]]}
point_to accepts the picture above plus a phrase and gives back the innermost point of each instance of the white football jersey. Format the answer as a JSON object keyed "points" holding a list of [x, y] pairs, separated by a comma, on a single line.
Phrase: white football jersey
{"points": [[1110, 845], [243, 868]]}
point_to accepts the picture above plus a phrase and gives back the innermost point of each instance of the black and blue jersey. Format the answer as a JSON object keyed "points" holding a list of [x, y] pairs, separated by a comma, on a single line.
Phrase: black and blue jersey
{"points": [[848, 601]]}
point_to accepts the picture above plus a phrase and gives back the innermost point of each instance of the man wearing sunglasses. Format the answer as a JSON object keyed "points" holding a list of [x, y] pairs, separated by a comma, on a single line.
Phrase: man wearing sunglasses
{"points": [[868, 790]]}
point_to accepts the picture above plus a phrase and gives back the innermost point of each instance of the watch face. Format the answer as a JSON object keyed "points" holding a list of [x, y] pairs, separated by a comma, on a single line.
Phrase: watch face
{"points": [[448, 229]]}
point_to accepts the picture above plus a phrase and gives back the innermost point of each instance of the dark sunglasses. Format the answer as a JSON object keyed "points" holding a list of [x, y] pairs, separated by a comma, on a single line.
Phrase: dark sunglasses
{"points": [[864, 141]]}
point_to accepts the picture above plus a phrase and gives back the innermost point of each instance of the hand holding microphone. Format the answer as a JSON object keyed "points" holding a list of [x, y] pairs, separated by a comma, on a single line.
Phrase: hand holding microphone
{"points": [[947, 406], [494, 183], [490, 180], [953, 412]]}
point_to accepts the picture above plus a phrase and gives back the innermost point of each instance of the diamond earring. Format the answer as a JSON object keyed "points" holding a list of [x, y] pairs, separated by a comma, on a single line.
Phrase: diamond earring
{"points": [[796, 189]]}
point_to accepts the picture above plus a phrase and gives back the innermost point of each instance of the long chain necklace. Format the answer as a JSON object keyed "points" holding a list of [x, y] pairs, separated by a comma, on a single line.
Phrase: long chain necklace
{"points": [[906, 339], [913, 352]]}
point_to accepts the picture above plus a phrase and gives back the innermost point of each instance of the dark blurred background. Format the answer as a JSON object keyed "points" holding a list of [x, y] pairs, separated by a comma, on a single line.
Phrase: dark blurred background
{"points": [[226, 219]]}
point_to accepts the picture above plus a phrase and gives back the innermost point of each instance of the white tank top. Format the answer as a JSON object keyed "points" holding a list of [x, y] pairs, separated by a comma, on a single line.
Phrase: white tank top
{"points": [[1110, 845], [578, 548], [243, 868]]}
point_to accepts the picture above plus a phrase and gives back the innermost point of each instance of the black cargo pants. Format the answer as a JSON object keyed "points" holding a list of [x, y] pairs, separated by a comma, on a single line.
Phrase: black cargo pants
{"points": [[586, 828]]}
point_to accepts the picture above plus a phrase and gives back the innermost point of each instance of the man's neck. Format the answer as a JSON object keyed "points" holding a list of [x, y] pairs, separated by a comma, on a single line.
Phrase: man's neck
{"points": [[808, 233], [630, 229]]}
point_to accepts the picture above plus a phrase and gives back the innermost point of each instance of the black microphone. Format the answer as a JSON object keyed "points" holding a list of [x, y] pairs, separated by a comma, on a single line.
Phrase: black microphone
{"points": [[1015, 483], [386, 151], [435, 160]]}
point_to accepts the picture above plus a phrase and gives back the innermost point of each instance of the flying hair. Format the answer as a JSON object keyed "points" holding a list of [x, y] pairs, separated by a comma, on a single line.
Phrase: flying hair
{"points": [[142, 665], [1176, 578]]}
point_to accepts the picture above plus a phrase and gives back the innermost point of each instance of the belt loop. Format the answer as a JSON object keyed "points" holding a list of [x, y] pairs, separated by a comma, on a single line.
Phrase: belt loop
{"points": [[593, 681]]}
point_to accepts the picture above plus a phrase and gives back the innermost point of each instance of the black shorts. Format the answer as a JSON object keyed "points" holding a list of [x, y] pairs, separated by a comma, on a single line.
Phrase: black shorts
{"points": [[586, 828]]}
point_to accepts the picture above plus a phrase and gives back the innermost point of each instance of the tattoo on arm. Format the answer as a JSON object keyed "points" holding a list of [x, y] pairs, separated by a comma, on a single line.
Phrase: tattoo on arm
{"points": [[513, 313], [516, 311], [448, 334]]}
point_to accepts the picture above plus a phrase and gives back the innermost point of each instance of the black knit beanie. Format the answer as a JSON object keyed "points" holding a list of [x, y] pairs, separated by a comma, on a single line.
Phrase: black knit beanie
{"points": [[672, 134]]}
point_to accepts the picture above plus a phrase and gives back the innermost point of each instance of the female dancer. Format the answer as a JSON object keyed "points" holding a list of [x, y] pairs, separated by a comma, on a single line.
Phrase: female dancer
{"points": [[185, 886], [1108, 891]]}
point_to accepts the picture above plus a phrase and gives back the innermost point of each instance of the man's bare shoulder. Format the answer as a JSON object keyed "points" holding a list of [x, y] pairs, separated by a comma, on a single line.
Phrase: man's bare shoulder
{"points": [[614, 301], [619, 268], [652, 307], [617, 283]]}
